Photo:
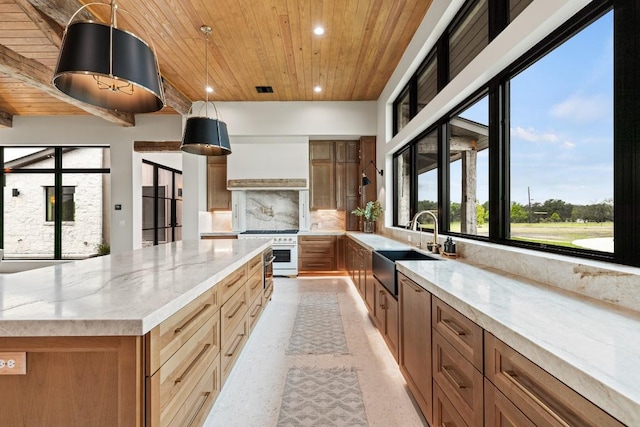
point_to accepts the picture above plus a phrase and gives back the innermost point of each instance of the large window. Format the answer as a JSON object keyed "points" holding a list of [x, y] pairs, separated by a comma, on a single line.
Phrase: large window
{"points": [[562, 144], [529, 159], [55, 202], [161, 204], [469, 36], [469, 170]]}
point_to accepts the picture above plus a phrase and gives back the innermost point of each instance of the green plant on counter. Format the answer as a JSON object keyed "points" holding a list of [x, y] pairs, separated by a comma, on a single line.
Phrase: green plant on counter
{"points": [[371, 211]]}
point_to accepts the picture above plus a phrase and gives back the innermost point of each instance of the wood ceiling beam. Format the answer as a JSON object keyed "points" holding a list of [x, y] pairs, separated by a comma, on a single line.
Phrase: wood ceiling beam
{"points": [[37, 75], [157, 146], [6, 119], [47, 25], [57, 15]]}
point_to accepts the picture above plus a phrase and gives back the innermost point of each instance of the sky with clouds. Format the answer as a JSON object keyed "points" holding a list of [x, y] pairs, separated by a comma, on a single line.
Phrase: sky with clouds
{"points": [[561, 125]]}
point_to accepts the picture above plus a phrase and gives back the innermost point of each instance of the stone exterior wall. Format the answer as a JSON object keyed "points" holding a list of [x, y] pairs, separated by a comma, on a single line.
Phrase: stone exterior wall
{"points": [[27, 234]]}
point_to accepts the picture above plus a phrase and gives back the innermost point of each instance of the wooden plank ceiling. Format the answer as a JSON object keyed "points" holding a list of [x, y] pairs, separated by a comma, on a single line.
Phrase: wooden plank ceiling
{"points": [[253, 43]]}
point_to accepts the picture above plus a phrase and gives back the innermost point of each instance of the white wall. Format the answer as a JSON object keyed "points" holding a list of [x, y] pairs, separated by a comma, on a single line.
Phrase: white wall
{"points": [[315, 120]]}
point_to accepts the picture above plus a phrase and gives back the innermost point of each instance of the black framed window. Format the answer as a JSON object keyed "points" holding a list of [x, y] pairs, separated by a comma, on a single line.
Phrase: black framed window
{"points": [[468, 36], [161, 204], [561, 153], [68, 204], [402, 111], [427, 81]]}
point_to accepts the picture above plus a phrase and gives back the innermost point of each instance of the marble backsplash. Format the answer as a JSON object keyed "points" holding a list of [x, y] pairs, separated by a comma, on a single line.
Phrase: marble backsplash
{"points": [[272, 210], [607, 282], [330, 220]]}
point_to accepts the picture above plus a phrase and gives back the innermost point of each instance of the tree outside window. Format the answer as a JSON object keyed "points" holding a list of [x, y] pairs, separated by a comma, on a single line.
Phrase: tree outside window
{"points": [[68, 203]]}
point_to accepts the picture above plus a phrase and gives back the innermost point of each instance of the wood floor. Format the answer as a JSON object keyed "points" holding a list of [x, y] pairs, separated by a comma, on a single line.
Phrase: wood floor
{"points": [[253, 393]]}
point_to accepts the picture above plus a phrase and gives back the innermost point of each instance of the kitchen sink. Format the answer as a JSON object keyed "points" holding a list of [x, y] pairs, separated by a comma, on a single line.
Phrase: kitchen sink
{"points": [[383, 265]]}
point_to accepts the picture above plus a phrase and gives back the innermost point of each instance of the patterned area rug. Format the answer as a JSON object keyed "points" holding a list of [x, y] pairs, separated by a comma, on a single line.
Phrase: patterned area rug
{"points": [[318, 326], [322, 397]]}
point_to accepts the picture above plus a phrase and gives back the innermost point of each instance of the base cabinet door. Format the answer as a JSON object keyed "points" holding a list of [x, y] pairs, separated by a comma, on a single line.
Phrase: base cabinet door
{"points": [[415, 342], [444, 412]]}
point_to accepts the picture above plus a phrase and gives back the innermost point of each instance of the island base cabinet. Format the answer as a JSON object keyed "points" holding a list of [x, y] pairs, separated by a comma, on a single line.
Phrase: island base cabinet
{"points": [[231, 348], [104, 375], [444, 413], [499, 411]]}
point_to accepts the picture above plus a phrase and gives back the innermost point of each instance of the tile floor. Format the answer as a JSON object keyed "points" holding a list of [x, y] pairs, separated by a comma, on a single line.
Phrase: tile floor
{"points": [[251, 396]]}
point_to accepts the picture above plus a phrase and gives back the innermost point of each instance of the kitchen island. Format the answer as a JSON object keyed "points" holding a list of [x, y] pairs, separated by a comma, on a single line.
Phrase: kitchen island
{"points": [[140, 338]]}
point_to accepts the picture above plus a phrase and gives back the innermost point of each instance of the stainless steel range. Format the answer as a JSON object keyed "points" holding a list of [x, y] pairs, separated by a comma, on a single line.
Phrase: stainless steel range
{"points": [[285, 249]]}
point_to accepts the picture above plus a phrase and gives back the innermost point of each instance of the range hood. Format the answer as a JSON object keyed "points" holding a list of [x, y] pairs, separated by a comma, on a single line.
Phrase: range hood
{"points": [[268, 163]]}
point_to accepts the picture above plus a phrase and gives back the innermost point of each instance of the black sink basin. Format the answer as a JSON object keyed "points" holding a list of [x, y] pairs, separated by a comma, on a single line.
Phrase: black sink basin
{"points": [[383, 266]]}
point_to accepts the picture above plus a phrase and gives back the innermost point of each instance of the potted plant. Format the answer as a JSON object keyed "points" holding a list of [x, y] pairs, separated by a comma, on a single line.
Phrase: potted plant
{"points": [[371, 212]]}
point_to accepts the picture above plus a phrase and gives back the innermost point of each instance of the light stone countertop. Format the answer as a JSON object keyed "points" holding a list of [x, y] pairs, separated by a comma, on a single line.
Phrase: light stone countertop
{"points": [[592, 347], [322, 232], [220, 233], [124, 294]]}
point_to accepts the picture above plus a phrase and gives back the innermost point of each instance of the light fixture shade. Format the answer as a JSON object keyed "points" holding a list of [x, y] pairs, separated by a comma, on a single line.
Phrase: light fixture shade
{"points": [[206, 136], [365, 180], [83, 70]]}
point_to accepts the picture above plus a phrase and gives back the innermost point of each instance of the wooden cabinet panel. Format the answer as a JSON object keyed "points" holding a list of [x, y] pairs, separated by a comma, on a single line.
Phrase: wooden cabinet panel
{"points": [[166, 338], [104, 377], [198, 404], [415, 342], [255, 286], [367, 154], [348, 151], [322, 151], [392, 331], [231, 348], [230, 284], [254, 312], [255, 266], [232, 313], [458, 379], [317, 253], [369, 281], [499, 411], [444, 412], [341, 256], [322, 186], [218, 197], [380, 306], [178, 377], [544, 399], [341, 186], [461, 332], [306, 265]]}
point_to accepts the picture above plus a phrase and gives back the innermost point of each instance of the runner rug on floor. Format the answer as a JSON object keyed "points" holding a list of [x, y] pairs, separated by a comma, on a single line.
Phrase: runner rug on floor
{"points": [[318, 326], [322, 397]]}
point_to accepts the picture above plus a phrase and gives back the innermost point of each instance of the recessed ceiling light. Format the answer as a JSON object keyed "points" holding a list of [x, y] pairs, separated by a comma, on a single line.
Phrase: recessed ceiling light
{"points": [[317, 89], [318, 31], [209, 89]]}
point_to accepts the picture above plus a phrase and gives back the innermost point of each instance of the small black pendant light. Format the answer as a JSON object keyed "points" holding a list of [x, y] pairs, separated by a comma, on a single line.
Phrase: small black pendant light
{"points": [[204, 135], [365, 178], [107, 67]]}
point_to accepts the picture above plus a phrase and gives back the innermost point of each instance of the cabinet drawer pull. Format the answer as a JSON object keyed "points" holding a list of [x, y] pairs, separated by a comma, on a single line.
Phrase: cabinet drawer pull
{"points": [[235, 345], [195, 415], [513, 378], [235, 309], [450, 373], [191, 319], [192, 364], [256, 310], [236, 281], [453, 327], [255, 285], [255, 263]]}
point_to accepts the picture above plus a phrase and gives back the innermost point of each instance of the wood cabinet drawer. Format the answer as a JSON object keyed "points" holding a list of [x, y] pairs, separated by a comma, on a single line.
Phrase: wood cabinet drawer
{"points": [[316, 264], [267, 293], [500, 411], [255, 286], [166, 338], [317, 246], [232, 348], [544, 399], [254, 312], [460, 331], [233, 312], [230, 284], [196, 407], [255, 266], [444, 413], [169, 388], [458, 379]]}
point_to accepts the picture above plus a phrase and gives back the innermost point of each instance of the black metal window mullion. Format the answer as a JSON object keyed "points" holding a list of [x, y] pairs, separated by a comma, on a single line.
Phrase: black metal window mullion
{"points": [[499, 198], [498, 17], [443, 176], [156, 211], [57, 206]]}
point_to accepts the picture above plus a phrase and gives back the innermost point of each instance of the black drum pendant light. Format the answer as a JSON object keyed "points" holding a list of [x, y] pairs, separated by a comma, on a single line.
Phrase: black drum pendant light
{"points": [[107, 67], [205, 135]]}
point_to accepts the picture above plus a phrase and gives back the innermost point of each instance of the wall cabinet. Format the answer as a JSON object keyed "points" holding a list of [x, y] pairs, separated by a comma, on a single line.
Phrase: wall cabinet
{"points": [[415, 342], [218, 197]]}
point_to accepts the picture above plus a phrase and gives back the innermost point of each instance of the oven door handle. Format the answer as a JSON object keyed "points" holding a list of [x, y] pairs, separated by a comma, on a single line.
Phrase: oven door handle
{"points": [[270, 260]]}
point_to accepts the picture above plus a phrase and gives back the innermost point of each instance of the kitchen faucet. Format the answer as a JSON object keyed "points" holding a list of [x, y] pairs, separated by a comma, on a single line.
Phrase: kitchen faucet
{"points": [[414, 226]]}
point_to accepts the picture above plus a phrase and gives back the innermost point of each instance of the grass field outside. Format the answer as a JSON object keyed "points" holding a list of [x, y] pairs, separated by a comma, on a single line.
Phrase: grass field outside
{"points": [[552, 233]]}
